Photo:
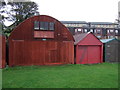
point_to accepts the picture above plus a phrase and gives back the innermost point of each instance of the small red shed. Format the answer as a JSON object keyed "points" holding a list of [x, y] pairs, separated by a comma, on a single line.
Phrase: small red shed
{"points": [[41, 40], [88, 49], [2, 51]]}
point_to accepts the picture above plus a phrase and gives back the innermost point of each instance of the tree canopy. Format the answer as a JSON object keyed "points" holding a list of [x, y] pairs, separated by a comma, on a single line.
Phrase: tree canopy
{"points": [[16, 12]]}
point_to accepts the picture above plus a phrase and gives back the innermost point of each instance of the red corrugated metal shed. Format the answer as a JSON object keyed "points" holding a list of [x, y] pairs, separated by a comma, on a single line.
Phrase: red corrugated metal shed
{"points": [[88, 49], [41, 40], [2, 51]]}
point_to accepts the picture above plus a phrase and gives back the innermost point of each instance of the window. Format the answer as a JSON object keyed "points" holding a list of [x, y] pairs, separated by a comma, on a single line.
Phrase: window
{"points": [[51, 26], [85, 30], [95, 31], [98, 25], [101, 25], [116, 37], [79, 30], [108, 31], [91, 30], [98, 36], [111, 31], [107, 26], [76, 25], [116, 31], [41, 25], [44, 25], [111, 26], [115, 26], [69, 24], [111, 36], [108, 37], [76, 30], [36, 25], [98, 31]]}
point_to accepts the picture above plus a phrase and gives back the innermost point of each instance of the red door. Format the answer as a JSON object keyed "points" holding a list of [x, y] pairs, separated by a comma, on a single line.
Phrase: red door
{"points": [[88, 54], [81, 55], [94, 54]]}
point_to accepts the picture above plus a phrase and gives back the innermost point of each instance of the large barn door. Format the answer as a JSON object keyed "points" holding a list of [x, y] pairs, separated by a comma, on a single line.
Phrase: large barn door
{"points": [[51, 53]]}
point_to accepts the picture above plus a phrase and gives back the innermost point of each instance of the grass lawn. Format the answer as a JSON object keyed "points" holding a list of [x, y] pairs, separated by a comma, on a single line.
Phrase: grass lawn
{"points": [[103, 75]]}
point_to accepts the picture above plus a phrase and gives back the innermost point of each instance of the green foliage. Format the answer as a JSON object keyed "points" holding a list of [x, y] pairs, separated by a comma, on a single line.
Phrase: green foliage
{"points": [[17, 13], [65, 76]]}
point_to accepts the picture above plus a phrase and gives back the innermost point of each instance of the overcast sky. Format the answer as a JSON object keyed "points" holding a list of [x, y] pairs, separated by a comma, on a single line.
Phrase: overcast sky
{"points": [[80, 10]]}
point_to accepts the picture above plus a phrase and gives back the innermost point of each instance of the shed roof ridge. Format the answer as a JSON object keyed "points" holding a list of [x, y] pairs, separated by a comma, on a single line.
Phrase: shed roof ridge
{"points": [[77, 36]]}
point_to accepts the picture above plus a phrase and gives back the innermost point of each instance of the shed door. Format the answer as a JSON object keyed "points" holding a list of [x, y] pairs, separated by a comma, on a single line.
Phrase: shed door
{"points": [[88, 54], [111, 53], [51, 52], [94, 54], [82, 55]]}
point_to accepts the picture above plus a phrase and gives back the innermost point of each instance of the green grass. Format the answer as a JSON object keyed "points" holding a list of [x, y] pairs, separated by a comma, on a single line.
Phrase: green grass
{"points": [[0, 79], [65, 76]]}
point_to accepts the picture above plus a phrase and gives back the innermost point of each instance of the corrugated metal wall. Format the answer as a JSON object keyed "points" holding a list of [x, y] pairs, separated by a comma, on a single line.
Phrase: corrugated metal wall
{"points": [[41, 52], [27, 45]]}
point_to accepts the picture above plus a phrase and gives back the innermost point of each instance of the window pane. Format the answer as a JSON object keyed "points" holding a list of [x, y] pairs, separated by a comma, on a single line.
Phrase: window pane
{"points": [[111, 30], [85, 30], [91, 30], [42, 26], [46, 25], [79, 29], [98, 30], [116, 31], [36, 25], [95, 30], [76, 30], [51, 26], [98, 36]]}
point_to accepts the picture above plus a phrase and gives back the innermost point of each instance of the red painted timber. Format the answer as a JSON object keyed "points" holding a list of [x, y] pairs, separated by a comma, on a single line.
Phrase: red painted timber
{"points": [[89, 50], [2, 51]]}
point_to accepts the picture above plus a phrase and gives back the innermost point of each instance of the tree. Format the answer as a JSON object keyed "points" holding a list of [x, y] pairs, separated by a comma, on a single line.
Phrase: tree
{"points": [[16, 12]]}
